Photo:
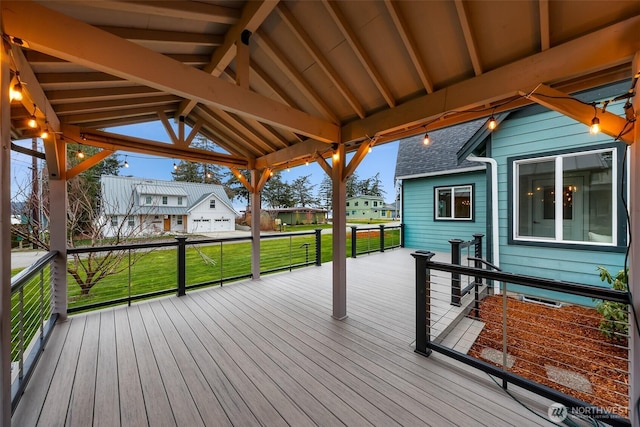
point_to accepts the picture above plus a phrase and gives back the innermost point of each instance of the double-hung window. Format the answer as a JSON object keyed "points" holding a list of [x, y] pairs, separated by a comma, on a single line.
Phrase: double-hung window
{"points": [[454, 203], [567, 198]]}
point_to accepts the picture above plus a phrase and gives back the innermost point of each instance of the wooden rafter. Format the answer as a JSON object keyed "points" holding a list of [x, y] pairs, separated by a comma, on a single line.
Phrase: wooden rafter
{"points": [[168, 128], [237, 132], [409, 44], [110, 105], [264, 177], [172, 37], [313, 50], [68, 38], [468, 37], [357, 158], [88, 163], [253, 14], [175, 9], [359, 50], [102, 94], [545, 41]]}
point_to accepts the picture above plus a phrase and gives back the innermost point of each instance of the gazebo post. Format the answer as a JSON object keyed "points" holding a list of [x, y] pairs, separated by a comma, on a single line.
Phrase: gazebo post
{"points": [[255, 225], [339, 234]]}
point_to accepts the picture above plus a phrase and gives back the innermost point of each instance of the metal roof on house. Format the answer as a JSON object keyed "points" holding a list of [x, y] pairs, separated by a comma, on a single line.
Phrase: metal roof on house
{"points": [[161, 190], [119, 192], [415, 159]]}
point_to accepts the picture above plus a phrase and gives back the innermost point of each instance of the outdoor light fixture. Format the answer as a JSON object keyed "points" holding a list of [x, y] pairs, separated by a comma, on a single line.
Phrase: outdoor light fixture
{"points": [[492, 123], [594, 129], [15, 92], [126, 164], [33, 122], [306, 163], [80, 154], [45, 132], [426, 140], [370, 148], [175, 167]]}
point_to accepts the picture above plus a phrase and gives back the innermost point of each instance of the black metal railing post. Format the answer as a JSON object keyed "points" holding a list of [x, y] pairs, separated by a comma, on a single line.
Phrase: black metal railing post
{"points": [[402, 235], [455, 277], [182, 265], [381, 237], [318, 247], [423, 302], [354, 246], [477, 264]]}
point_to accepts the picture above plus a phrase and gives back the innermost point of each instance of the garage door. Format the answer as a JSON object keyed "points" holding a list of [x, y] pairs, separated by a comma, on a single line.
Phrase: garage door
{"points": [[221, 224], [201, 226]]}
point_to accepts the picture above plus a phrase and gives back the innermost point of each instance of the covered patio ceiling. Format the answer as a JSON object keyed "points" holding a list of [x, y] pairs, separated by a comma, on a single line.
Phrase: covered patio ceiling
{"points": [[276, 83]]}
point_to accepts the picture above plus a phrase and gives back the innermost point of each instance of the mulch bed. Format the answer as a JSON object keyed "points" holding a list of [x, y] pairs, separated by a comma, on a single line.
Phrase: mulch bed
{"points": [[567, 338]]}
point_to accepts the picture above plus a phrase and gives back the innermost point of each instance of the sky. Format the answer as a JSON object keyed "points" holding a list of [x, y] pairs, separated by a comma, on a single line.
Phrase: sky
{"points": [[381, 159]]}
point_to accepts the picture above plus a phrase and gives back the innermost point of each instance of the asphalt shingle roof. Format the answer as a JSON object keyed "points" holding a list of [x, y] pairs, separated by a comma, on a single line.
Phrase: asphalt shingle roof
{"points": [[414, 158]]}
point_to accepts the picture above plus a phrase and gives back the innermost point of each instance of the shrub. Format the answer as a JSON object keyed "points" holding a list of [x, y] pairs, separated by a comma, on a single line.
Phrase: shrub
{"points": [[615, 322]]}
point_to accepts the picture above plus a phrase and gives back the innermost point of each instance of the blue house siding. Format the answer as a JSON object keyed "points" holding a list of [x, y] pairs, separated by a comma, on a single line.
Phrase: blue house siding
{"points": [[536, 135], [421, 230]]}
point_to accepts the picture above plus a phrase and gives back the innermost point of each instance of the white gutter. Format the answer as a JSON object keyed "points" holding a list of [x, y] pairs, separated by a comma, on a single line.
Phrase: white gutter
{"points": [[494, 205]]}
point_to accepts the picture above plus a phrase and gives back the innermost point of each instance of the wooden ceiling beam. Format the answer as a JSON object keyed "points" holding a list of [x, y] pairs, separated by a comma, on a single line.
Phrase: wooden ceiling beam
{"points": [[165, 37], [88, 163], [409, 44], [468, 37], [97, 106], [37, 58], [565, 104], [295, 77], [168, 128], [114, 142], [113, 114], [253, 15], [306, 148], [195, 11], [63, 36], [613, 46], [359, 50], [223, 138], [321, 60], [100, 94]]}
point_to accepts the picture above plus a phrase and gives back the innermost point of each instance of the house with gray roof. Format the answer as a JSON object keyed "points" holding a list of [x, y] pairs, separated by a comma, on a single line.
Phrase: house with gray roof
{"points": [[546, 193], [145, 206], [441, 198]]}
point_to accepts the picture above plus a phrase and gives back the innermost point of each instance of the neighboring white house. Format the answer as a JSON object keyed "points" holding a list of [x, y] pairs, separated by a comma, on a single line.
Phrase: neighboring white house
{"points": [[146, 206]]}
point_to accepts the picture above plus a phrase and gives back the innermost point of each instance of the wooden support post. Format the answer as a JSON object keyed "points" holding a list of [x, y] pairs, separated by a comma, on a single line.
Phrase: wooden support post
{"points": [[255, 225], [339, 234], [58, 238], [5, 238]]}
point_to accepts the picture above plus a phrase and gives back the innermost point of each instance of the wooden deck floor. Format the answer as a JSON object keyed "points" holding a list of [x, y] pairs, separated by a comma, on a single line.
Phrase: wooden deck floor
{"points": [[264, 353]]}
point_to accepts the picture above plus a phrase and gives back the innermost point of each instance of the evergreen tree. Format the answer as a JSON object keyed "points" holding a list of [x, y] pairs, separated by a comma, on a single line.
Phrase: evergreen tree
{"points": [[277, 193], [352, 185], [325, 193], [302, 191]]}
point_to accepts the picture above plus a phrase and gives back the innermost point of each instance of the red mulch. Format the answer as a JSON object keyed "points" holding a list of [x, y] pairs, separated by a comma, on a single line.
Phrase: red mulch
{"points": [[567, 338]]}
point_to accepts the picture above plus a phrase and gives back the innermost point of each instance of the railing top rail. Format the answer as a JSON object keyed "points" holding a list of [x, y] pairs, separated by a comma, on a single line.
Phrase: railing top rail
{"points": [[536, 282], [20, 279], [485, 262], [88, 249], [218, 240], [374, 228], [290, 234]]}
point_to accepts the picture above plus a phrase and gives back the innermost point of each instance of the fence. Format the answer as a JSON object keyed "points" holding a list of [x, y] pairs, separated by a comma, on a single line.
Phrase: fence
{"points": [[557, 349], [110, 275], [373, 239], [31, 321]]}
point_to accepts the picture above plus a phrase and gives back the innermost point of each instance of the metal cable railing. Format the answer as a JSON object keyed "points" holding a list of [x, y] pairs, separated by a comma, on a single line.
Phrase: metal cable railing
{"points": [[31, 321], [365, 240], [544, 335]]}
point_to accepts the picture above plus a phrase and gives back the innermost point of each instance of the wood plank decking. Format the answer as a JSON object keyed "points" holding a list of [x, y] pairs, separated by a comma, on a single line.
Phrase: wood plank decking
{"points": [[264, 353]]}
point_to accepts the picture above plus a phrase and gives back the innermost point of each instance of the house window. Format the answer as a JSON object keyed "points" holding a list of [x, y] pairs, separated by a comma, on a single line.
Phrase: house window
{"points": [[347, 203], [566, 198], [147, 200], [131, 221], [384, 213], [165, 200], [454, 203], [179, 200], [212, 204], [366, 203], [355, 203], [179, 220], [375, 204], [353, 212], [114, 221]]}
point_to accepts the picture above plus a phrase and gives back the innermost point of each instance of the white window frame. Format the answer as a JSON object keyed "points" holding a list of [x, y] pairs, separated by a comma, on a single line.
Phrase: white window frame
{"points": [[453, 189], [131, 221], [212, 203], [558, 192], [114, 220], [165, 200]]}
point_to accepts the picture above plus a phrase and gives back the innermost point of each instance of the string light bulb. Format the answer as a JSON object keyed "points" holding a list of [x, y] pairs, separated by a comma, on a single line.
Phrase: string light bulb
{"points": [[492, 123], [175, 167], [126, 164], [33, 122], [80, 154], [15, 92], [370, 148], [45, 131], [426, 140], [306, 163], [594, 129]]}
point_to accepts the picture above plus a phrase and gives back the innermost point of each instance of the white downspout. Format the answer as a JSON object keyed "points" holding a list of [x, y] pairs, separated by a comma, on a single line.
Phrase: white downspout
{"points": [[494, 205]]}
